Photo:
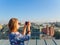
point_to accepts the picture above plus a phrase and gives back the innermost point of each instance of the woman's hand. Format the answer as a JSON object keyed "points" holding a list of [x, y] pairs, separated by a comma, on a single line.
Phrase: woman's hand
{"points": [[26, 26], [29, 24]]}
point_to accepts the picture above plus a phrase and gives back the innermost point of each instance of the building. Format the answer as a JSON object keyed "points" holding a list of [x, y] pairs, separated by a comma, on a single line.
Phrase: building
{"points": [[1, 27], [49, 30]]}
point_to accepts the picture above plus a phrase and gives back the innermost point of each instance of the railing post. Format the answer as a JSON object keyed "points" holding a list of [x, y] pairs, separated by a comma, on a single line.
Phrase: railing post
{"points": [[54, 41], [45, 42], [36, 40]]}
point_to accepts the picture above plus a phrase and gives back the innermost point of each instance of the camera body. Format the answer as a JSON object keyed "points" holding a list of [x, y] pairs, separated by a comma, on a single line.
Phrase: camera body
{"points": [[26, 22]]}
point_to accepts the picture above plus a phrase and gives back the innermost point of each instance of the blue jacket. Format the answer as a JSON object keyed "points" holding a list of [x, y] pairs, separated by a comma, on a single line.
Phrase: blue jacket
{"points": [[17, 38]]}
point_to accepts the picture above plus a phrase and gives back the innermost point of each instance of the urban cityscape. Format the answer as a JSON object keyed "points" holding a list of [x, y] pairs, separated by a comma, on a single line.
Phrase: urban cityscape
{"points": [[36, 30], [44, 16]]}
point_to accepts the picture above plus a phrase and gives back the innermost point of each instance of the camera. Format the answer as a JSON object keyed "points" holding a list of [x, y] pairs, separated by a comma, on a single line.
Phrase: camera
{"points": [[26, 22]]}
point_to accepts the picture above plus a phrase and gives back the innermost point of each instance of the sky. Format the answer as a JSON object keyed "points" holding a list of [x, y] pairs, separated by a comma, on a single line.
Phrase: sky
{"points": [[30, 10]]}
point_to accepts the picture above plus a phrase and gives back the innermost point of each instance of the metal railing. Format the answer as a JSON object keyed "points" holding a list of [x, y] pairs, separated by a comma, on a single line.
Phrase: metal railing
{"points": [[36, 38]]}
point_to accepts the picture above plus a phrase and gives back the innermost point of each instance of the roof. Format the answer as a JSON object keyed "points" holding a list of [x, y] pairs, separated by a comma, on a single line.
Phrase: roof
{"points": [[36, 42]]}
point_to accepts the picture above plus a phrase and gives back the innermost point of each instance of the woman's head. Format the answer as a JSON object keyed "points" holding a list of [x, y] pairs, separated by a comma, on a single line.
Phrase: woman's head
{"points": [[13, 24]]}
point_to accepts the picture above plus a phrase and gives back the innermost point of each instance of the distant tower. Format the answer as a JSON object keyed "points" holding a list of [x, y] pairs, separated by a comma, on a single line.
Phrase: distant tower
{"points": [[1, 27], [51, 30]]}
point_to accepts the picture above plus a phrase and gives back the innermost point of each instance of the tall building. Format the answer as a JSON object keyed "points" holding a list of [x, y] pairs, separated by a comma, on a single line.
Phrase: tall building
{"points": [[0, 26], [49, 30]]}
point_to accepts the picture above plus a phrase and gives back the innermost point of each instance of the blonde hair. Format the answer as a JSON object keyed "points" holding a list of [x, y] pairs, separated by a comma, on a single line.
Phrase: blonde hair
{"points": [[12, 24]]}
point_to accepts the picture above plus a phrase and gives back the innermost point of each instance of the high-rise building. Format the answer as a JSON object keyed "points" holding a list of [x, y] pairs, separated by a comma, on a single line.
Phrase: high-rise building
{"points": [[0, 26], [49, 30]]}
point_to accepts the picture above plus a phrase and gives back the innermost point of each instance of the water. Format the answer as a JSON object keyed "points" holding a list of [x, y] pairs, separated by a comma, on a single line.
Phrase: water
{"points": [[33, 42]]}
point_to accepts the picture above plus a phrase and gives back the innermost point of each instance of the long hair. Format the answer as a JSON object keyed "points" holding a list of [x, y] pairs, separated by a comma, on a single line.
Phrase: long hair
{"points": [[12, 24]]}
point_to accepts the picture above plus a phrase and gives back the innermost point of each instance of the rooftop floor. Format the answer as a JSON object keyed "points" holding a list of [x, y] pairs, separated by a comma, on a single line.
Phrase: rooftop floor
{"points": [[35, 42]]}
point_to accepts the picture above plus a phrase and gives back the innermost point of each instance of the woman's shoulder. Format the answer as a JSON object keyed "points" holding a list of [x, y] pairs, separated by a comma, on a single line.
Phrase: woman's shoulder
{"points": [[16, 34]]}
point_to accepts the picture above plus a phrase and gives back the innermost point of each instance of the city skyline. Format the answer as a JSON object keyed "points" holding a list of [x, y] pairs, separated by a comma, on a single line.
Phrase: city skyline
{"points": [[30, 10]]}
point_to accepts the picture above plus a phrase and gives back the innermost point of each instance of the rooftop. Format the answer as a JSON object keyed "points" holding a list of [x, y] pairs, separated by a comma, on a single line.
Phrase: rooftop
{"points": [[35, 42]]}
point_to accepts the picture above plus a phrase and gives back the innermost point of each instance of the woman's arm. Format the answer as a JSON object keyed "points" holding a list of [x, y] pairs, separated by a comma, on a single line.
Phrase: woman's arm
{"points": [[24, 30], [27, 37], [29, 30]]}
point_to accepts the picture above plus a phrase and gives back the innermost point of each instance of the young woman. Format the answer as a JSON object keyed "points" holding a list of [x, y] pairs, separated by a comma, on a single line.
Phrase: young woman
{"points": [[15, 37]]}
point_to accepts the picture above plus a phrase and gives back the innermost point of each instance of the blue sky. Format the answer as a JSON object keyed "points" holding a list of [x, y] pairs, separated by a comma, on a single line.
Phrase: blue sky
{"points": [[32, 10]]}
